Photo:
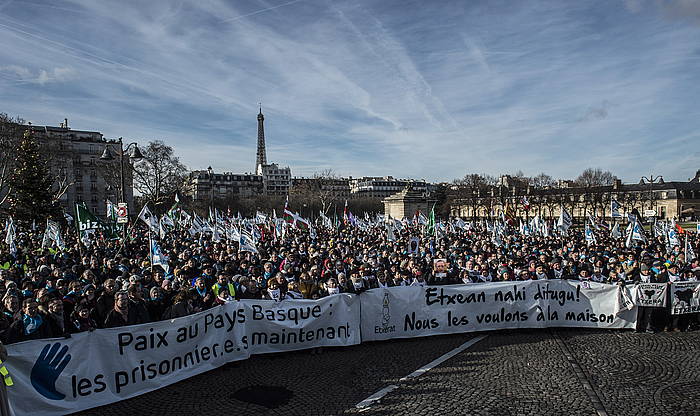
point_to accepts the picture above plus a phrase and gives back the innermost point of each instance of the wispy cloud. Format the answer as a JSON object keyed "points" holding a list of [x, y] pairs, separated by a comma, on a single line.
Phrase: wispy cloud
{"points": [[376, 88]]}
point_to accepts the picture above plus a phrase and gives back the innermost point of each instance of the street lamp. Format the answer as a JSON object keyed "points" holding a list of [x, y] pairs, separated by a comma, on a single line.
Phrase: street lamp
{"points": [[133, 153], [211, 188], [651, 180]]}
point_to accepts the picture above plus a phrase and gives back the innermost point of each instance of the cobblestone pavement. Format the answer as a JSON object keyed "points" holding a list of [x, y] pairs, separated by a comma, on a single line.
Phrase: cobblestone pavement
{"points": [[526, 372], [325, 384]]}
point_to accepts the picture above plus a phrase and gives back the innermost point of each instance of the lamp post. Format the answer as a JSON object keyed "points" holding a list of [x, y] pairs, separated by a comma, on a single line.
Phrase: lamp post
{"points": [[651, 180], [133, 153], [211, 188]]}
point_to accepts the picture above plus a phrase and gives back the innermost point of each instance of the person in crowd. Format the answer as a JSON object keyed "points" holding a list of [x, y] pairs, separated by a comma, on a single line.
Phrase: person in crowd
{"points": [[122, 313], [201, 296], [105, 302], [81, 321], [30, 325], [348, 259], [182, 306]]}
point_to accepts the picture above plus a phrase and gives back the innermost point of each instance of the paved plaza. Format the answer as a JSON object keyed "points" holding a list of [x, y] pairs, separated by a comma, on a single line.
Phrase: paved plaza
{"points": [[524, 372]]}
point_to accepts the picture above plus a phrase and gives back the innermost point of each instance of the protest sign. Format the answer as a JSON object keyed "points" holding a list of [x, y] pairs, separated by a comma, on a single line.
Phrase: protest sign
{"points": [[58, 376], [685, 297], [651, 294], [405, 312]]}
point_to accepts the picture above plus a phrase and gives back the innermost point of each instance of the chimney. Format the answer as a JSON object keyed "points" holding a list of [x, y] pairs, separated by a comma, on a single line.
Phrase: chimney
{"points": [[65, 123], [617, 183]]}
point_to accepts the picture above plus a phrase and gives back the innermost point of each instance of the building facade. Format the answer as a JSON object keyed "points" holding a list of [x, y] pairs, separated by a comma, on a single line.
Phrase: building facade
{"points": [[207, 185], [74, 160], [680, 200], [383, 187]]}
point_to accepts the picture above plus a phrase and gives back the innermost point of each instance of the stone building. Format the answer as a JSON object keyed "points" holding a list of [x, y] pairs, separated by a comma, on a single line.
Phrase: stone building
{"points": [[383, 187], [407, 202], [74, 159], [207, 185], [663, 199]]}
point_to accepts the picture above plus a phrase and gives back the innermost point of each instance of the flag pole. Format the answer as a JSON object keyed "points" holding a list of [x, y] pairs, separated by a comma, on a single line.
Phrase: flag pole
{"points": [[77, 231], [150, 248]]}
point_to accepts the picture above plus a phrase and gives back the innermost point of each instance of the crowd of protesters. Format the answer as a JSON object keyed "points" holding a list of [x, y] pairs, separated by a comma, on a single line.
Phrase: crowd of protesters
{"points": [[106, 284]]}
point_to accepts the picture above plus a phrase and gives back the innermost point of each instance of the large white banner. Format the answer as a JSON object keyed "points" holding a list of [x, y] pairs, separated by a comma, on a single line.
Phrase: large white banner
{"points": [[415, 311], [58, 376]]}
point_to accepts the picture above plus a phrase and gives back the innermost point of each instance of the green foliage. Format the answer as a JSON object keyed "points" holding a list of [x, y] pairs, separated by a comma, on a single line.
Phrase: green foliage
{"points": [[31, 198]]}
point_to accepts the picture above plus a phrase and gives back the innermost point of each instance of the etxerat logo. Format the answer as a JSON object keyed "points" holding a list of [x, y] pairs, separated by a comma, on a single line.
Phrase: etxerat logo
{"points": [[48, 367], [386, 317]]}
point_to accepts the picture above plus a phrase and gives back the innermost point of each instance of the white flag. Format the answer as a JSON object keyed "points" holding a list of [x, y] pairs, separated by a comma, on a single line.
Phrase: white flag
{"points": [[390, 232], [158, 258], [565, 221], [615, 232], [146, 216], [246, 243]]}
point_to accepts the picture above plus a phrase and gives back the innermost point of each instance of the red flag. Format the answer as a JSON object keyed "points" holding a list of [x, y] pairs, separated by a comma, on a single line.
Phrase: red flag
{"points": [[680, 229]]}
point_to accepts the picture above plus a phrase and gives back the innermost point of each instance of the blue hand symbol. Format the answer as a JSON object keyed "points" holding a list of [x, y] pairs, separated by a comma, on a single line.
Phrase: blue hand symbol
{"points": [[47, 368]]}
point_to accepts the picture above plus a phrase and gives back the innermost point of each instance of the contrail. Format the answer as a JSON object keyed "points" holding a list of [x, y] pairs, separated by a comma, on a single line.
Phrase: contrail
{"points": [[233, 19]]}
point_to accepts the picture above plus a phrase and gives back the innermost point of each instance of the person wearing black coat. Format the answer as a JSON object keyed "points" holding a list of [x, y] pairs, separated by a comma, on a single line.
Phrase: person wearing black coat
{"points": [[29, 325], [122, 314], [105, 302], [648, 316]]}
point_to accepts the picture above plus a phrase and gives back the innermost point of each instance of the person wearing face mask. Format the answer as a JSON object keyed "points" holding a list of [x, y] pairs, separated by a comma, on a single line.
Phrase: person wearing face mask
{"points": [[222, 297], [331, 287], [648, 317], [540, 272], [356, 284], [273, 291]]}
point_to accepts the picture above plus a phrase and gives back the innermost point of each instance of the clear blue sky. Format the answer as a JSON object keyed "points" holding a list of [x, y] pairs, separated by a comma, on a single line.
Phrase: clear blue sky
{"points": [[397, 87]]}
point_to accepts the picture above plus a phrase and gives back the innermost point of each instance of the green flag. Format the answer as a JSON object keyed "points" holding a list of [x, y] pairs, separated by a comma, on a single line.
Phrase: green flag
{"points": [[85, 220], [430, 229]]}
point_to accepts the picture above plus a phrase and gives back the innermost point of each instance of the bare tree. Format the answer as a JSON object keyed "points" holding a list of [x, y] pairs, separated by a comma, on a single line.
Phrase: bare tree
{"points": [[471, 190], [62, 182], [160, 174], [591, 181], [595, 177], [325, 188], [542, 181]]}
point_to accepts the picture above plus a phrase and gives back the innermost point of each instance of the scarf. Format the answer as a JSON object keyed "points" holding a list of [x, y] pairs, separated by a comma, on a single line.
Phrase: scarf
{"points": [[31, 324]]}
